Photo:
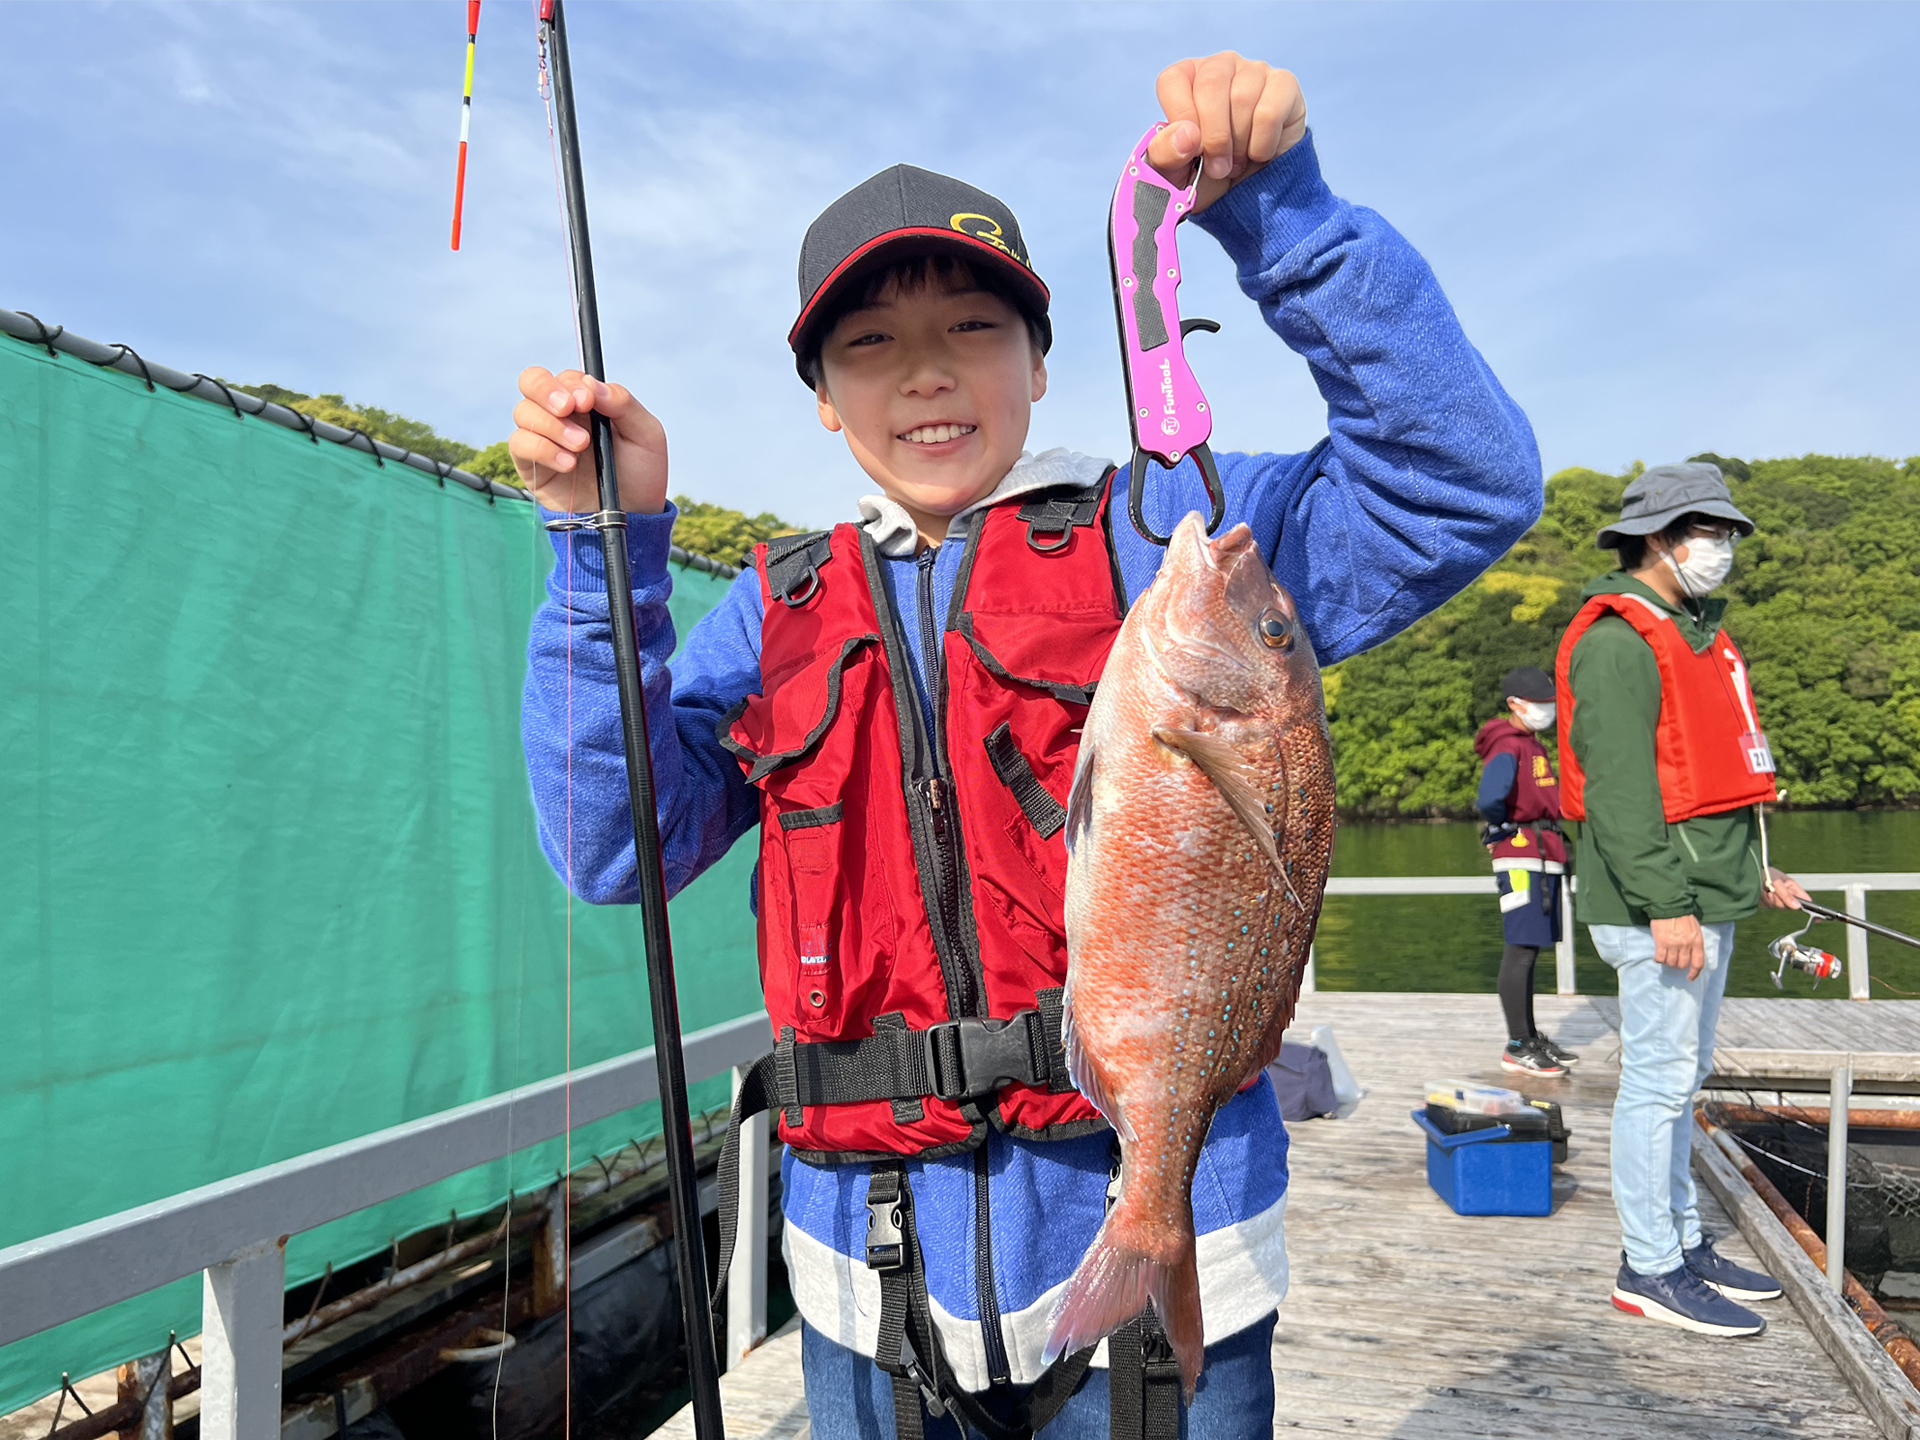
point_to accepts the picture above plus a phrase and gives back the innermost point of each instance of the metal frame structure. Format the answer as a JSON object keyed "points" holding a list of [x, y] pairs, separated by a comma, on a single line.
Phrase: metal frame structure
{"points": [[235, 1230]]}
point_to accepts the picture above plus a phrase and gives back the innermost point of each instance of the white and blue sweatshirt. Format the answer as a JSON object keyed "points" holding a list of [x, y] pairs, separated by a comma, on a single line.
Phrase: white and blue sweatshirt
{"points": [[1428, 474]]}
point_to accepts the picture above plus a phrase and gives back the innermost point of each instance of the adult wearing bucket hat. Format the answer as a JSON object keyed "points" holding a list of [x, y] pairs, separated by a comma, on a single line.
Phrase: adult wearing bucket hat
{"points": [[1665, 765]]}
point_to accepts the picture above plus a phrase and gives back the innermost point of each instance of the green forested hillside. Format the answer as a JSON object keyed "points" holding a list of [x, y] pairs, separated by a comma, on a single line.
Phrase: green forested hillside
{"points": [[1826, 605]]}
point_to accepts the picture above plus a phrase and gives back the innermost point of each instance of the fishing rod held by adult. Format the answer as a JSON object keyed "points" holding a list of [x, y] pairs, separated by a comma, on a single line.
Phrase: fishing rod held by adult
{"points": [[703, 1372], [1827, 912]]}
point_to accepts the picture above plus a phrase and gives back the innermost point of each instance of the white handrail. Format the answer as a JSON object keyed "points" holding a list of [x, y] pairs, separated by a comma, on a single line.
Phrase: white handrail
{"points": [[235, 1230], [1853, 883]]}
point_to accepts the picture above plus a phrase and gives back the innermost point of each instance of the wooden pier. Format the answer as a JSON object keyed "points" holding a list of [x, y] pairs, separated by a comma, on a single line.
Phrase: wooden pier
{"points": [[1405, 1320]]}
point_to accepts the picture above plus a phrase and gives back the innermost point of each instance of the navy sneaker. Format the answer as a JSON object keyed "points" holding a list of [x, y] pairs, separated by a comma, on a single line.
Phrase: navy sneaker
{"points": [[1736, 1282], [1682, 1298]]}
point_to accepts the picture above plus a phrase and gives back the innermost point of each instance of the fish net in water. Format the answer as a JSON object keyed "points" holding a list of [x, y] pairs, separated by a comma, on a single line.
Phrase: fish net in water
{"points": [[1883, 1184]]}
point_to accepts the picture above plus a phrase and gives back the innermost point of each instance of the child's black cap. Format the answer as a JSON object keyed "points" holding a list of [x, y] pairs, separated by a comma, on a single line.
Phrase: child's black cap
{"points": [[910, 208], [1528, 682]]}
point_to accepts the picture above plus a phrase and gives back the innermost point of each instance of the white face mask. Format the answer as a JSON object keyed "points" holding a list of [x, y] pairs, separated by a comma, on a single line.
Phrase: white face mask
{"points": [[1705, 567], [1535, 716]]}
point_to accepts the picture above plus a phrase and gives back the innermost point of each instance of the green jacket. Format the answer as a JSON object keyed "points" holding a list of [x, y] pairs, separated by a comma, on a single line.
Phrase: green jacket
{"points": [[1633, 866]]}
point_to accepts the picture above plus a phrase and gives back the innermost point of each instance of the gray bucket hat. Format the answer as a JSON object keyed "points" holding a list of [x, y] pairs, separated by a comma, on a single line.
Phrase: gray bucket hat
{"points": [[1665, 493]]}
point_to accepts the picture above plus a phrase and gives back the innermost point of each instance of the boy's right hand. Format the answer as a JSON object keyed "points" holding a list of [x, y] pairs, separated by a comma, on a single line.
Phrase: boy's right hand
{"points": [[553, 451]]}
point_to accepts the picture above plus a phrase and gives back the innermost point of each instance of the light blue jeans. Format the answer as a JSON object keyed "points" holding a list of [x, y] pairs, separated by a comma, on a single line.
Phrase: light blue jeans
{"points": [[1666, 1051]]}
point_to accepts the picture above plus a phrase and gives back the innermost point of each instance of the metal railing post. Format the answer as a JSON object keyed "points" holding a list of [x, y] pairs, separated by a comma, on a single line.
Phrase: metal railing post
{"points": [[1563, 952], [747, 1275], [1839, 1092], [242, 1318], [1857, 975]]}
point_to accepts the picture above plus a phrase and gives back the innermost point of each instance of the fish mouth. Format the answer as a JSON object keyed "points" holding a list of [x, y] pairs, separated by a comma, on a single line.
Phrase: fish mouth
{"points": [[1216, 552]]}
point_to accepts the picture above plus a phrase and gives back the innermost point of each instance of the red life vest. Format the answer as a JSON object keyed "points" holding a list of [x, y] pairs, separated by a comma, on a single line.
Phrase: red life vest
{"points": [[911, 885], [1708, 743], [1533, 803]]}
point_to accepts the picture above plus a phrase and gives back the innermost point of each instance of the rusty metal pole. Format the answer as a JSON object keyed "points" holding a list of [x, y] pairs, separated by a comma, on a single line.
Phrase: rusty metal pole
{"points": [[143, 1383]]}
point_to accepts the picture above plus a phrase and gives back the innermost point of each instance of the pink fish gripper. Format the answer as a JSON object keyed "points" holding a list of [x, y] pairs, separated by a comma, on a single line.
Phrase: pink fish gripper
{"points": [[1166, 410]]}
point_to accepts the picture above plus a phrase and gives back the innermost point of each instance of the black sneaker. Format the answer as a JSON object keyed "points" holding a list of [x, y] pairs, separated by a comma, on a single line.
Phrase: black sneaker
{"points": [[1682, 1298], [1561, 1056], [1736, 1282], [1529, 1057]]}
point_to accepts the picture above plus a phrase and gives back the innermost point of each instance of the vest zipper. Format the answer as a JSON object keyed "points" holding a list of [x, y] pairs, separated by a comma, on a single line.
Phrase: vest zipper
{"points": [[999, 1372], [946, 834]]}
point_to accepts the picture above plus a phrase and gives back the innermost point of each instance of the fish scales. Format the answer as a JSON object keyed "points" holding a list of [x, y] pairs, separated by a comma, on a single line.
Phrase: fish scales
{"points": [[1201, 829]]}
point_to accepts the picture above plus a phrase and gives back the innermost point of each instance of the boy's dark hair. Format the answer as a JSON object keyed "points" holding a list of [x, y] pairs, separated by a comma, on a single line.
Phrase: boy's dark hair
{"points": [[1632, 549], [912, 272]]}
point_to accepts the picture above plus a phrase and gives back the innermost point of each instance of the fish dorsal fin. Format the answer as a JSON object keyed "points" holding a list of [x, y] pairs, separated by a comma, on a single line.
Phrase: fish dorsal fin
{"points": [[1240, 785]]}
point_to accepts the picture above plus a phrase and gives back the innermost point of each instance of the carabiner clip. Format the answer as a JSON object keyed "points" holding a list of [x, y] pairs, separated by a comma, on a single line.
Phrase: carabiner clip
{"points": [[1166, 410]]}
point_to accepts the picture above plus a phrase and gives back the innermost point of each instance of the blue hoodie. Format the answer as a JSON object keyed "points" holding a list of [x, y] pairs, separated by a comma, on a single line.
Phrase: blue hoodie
{"points": [[1428, 474]]}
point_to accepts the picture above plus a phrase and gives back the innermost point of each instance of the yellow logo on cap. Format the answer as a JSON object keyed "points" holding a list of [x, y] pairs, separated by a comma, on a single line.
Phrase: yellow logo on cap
{"points": [[984, 227]]}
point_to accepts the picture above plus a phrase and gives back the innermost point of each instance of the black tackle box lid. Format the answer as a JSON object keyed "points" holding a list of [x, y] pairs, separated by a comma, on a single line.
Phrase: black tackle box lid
{"points": [[1532, 1124]]}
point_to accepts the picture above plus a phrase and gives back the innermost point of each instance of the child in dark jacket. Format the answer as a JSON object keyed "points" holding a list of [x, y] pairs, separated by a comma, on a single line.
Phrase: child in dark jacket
{"points": [[1519, 799], [922, 336]]}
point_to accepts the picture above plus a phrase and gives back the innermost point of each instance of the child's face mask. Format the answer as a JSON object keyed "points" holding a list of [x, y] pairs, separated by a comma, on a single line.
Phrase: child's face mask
{"points": [[1535, 715], [934, 390]]}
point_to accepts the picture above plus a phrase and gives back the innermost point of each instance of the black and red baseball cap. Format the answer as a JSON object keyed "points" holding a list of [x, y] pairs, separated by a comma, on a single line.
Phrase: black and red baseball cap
{"points": [[907, 209]]}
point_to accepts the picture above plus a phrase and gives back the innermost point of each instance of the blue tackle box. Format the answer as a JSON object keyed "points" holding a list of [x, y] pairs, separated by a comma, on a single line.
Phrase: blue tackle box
{"points": [[1490, 1171]]}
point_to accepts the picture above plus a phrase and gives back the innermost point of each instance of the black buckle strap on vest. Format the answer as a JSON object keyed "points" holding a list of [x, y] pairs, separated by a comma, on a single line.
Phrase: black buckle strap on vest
{"points": [[793, 566], [1058, 514], [756, 1096], [1143, 1374], [907, 1109], [1143, 1381], [954, 1060], [1045, 813]]}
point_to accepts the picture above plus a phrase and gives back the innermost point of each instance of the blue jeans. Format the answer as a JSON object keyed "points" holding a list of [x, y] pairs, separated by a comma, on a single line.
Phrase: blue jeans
{"points": [[1666, 1052], [851, 1398]]}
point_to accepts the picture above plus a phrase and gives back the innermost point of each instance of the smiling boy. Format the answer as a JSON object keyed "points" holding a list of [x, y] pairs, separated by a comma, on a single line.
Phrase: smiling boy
{"points": [[896, 703]]}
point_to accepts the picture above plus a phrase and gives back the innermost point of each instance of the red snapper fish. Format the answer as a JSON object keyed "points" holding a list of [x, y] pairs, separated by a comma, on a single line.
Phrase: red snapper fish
{"points": [[1199, 829]]}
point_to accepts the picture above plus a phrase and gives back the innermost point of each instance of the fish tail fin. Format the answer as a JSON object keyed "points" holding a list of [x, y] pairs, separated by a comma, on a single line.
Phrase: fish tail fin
{"points": [[1114, 1283]]}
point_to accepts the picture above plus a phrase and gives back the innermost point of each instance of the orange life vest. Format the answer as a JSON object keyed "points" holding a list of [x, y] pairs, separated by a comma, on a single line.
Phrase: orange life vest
{"points": [[1711, 754]]}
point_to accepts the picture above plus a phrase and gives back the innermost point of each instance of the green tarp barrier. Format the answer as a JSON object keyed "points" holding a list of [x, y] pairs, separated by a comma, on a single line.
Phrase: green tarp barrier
{"points": [[268, 870]]}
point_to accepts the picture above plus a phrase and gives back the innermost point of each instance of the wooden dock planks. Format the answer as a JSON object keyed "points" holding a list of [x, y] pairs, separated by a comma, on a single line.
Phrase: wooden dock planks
{"points": [[1406, 1321]]}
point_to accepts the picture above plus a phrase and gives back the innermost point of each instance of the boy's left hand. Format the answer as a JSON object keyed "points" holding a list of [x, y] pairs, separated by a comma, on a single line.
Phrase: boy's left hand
{"points": [[1233, 115]]}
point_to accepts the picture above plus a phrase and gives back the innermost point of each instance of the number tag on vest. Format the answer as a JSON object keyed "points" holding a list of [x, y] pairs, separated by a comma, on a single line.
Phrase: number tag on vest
{"points": [[1757, 753]]}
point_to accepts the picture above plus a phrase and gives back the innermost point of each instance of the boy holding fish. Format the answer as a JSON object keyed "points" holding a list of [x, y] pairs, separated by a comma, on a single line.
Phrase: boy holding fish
{"points": [[899, 705]]}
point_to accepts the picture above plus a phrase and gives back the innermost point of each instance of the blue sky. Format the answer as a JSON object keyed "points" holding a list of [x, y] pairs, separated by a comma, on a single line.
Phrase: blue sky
{"points": [[1669, 227]]}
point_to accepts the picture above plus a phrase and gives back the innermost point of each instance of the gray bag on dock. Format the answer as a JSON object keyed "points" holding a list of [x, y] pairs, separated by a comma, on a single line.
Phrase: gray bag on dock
{"points": [[1303, 1082]]}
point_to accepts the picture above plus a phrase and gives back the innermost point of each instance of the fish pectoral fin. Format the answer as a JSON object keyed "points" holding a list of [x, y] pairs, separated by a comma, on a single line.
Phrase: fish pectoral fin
{"points": [[1239, 785]]}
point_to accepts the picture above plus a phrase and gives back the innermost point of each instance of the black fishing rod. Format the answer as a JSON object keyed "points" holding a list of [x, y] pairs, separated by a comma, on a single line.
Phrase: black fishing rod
{"points": [[703, 1371]]}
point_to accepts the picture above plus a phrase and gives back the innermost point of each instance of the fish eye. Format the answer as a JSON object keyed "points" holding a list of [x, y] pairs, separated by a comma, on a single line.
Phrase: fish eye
{"points": [[1275, 632]]}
